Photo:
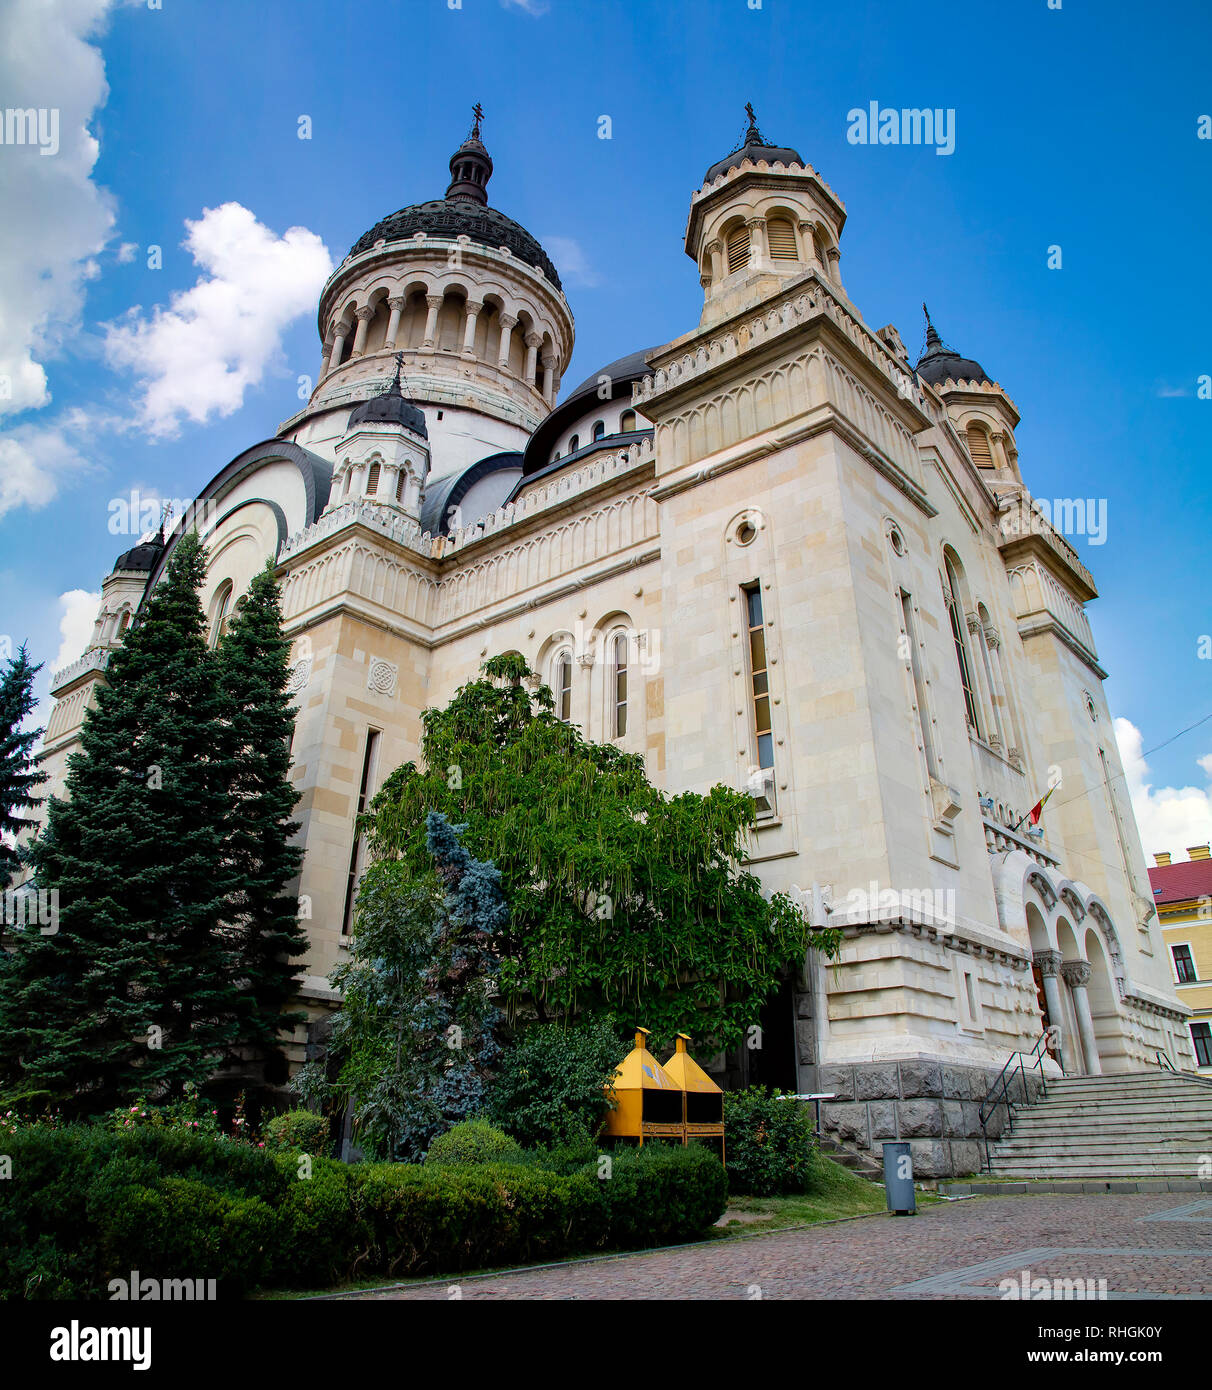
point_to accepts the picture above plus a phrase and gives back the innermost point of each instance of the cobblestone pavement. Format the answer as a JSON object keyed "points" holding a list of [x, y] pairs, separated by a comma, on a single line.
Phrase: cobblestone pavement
{"points": [[1143, 1246]]}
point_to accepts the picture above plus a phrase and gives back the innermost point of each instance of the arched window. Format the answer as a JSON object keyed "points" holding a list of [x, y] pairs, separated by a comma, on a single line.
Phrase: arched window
{"points": [[618, 685], [599, 429], [401, 479], [219, 609], [348, 481], [574, 443], [372, 480], [978, 447], [562, 686], [627, 422], [780, 236], [819, 249], [124, 622], [738, 248], [952, 596]]}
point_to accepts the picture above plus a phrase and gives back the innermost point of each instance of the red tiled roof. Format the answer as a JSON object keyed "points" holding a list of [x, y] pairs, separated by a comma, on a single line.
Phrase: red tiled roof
{"points": [[1179, 882]]}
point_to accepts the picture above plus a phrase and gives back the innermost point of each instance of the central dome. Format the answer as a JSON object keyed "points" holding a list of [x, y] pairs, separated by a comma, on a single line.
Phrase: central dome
{"points": [[454, 217]]}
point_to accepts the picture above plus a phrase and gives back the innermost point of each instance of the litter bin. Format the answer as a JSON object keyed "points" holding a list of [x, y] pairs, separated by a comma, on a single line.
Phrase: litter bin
{"points": [[898, 1178]]}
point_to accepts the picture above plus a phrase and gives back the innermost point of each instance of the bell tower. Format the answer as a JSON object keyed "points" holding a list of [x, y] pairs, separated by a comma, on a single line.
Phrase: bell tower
{"points": [[761, 218]]}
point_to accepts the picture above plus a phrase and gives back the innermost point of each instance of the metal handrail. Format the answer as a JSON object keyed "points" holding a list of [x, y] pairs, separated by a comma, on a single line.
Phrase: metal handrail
{"points": [[1165, 1063], [999, 1092]]}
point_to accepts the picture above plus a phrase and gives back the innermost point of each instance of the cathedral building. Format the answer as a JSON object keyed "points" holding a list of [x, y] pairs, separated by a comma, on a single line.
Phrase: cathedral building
{"points": [[773, 553]]}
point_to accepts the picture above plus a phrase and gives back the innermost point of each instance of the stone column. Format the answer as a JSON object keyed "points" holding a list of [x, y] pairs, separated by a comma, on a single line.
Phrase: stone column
{"points": [[715, 249], [1049, 963], [1077, 976], [364, 316], [807, 243], [533, 343], [396, 305], [508, 321], [980, 674], [834, 256], [434, 301], [549, 363], [757, 242], [338, 347], [326, 359], [469, 328], [993, 643]]}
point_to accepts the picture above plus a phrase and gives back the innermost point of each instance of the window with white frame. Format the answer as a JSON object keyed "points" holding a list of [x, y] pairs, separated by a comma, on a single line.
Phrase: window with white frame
{"points": [[1184, 963], [618, 684], [762, 782], [561, 685]]}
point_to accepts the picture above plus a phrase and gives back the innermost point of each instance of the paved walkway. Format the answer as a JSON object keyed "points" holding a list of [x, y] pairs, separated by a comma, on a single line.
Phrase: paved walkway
{"points": [[1143, 1246]]}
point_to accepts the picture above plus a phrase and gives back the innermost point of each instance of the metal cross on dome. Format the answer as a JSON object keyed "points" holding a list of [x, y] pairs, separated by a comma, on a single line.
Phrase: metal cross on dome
{"points": [[478, 112]]}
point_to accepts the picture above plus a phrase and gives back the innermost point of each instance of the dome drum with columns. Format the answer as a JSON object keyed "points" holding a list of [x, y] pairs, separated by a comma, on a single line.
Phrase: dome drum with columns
{"points": [[770, 554]]}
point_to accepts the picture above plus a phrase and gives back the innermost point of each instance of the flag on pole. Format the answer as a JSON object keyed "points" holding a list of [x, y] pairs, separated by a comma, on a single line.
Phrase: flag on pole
{"points": [[1038, 809]]}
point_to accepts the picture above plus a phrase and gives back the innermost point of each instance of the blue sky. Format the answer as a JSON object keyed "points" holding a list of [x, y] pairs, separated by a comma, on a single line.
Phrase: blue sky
{"points": [[1074, 127]]}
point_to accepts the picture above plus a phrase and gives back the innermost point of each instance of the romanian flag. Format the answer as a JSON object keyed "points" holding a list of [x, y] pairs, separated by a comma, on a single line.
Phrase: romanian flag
{"points": [[1038, 809]]}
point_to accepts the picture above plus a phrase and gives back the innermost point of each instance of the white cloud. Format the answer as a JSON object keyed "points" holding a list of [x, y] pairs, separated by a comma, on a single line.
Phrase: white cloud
{"points": [[56, 220], [35, 460], [127, 252], [571, 261], [535, 8], [214, 341], [78, 614], [1170, 818]]}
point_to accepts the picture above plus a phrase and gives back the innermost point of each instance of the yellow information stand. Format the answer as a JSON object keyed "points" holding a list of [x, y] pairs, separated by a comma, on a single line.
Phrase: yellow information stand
{"points": [[677, 1102], [647, 1103], [702, 1099]]}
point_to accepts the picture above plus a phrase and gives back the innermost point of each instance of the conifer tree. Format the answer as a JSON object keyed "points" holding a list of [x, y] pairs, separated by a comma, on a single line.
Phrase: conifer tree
{"points": [[414, 1045], [253, 664], [133, 994], [20, 775]]}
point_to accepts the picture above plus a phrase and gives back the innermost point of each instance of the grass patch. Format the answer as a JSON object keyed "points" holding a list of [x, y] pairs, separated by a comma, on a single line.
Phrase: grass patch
{"points": [[834, 1192]]}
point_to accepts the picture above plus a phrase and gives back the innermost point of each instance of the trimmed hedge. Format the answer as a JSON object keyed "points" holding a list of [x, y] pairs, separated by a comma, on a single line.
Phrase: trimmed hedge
{"points": [[473, 1141], [87, 1205], [298, 1129]]}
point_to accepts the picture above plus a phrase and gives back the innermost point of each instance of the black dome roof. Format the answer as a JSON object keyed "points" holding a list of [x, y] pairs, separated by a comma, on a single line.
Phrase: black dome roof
{"points": [[754, 148], [389, 409], [454, 217], [140, 557], [940, 363]]}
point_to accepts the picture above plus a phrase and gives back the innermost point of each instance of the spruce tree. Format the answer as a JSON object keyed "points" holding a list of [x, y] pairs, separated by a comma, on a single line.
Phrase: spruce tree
{"points": [[253, 664], [20, 775], [134, 993]]}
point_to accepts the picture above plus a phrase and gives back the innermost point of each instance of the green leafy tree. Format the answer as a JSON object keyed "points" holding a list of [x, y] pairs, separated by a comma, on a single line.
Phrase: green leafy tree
{"points": [[414, 1045], [551, 1086], [623, 900], [20, 775], [133, 994], [261, 858]]}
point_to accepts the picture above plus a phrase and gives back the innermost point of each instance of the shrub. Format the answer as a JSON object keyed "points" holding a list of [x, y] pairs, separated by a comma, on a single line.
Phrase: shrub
{"points": [[552, 1081], [770, 1142], [454, 1218], [662, 1194], [298, 1129], [473, 1141], [321, 1235], [86, 1205]]}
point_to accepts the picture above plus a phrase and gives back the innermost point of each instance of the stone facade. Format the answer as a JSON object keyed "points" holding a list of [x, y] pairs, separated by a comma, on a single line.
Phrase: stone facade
{"points": [[809, 561]]}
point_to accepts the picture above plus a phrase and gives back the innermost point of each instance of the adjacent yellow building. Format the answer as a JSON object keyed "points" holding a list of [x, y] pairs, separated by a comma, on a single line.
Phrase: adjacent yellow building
{"points": [[1183, 895]]}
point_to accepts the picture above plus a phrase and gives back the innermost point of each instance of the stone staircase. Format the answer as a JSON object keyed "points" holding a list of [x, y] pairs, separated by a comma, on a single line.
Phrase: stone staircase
{"points": [[1133, 1125], [864, 1164]]}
